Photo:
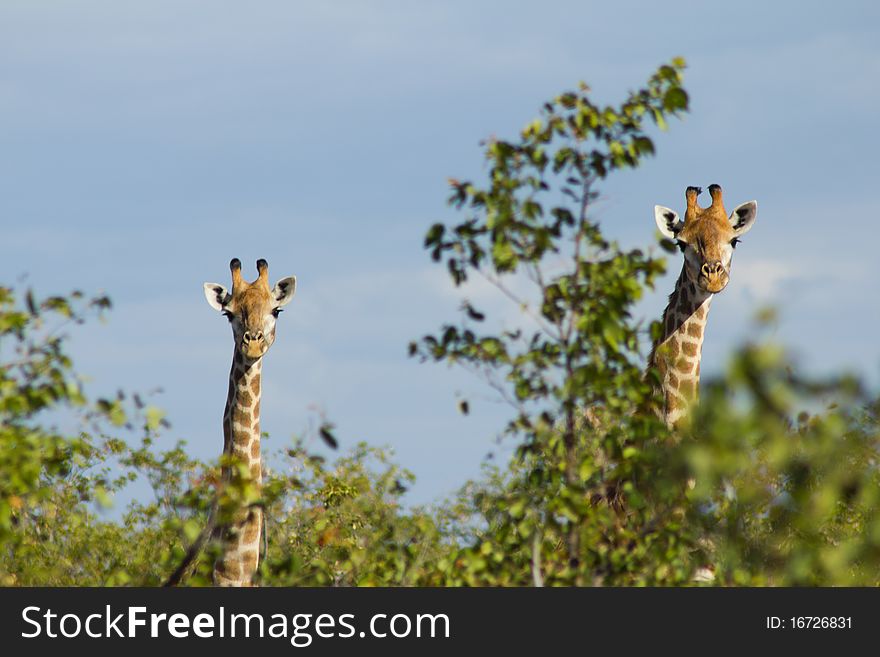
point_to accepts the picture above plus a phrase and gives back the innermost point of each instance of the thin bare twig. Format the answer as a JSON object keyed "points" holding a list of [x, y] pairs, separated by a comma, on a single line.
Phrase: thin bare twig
{"points": [[194, 550], [524, 306]]}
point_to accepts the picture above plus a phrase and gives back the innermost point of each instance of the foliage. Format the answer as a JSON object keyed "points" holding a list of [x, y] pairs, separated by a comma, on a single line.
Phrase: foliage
{"points": [[788, 497], [347, 527], [42, 470]]}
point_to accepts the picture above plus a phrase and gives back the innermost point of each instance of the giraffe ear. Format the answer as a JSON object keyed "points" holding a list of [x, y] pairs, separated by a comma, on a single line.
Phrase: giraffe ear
{"points": [[668, 222], [284, 291], [217, 296], [743, 217]]}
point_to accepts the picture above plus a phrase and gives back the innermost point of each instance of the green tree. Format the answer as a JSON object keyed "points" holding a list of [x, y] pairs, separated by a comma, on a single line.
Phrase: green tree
{"points": [[574, 374]]}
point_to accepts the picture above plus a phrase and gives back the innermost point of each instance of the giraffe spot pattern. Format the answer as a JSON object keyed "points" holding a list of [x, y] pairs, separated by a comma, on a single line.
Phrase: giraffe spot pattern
{"points": [[249, 561], [240, 553], [251, 531], [689, 389]]}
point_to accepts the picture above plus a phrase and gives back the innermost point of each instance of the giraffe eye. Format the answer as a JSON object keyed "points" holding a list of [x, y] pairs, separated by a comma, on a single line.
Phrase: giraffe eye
{"points": [[681, 245], [735, 241], [276, 312], [227, 315]]}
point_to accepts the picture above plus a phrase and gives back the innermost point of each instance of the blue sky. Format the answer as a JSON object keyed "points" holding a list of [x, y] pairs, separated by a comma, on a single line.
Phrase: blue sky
{"points": [[145, 144]]}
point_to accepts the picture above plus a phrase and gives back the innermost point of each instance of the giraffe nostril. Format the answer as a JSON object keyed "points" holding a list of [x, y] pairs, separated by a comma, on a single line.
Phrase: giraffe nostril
{"points": [[252, 337], [711, 268]]}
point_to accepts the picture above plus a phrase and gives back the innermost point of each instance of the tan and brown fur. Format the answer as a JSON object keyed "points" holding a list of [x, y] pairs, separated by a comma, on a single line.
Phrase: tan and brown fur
{"points": [[251, 309], [707, 237]]}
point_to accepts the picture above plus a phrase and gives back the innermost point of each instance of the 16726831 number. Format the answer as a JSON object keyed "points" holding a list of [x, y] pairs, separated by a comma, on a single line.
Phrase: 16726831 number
{"points": [[820, 622]]}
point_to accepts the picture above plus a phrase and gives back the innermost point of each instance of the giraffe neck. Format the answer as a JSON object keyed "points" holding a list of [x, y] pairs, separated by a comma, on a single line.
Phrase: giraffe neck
{"points": [[240, 537], [676, 354]]}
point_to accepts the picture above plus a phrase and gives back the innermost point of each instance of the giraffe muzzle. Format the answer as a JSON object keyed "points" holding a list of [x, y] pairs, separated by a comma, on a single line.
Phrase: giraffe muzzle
{"points": [[253, 344], [713, 276]]}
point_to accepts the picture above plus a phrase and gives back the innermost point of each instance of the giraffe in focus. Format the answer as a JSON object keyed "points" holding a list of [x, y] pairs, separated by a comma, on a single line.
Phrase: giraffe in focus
{"points": [[707, 238], [252, 310]]}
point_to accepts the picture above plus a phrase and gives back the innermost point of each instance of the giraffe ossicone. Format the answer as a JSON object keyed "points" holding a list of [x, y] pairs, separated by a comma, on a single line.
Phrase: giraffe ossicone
{"points": [[707, 238], [252, 310]]}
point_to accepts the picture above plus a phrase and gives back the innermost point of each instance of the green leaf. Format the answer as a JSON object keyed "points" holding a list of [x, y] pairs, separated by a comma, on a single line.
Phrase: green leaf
{"points": [[675, 99], [326, 433]]}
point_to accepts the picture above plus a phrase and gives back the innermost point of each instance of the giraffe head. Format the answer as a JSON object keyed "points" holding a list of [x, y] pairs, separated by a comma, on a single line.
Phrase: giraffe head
{"points": [[251, 308], [707, 236]]}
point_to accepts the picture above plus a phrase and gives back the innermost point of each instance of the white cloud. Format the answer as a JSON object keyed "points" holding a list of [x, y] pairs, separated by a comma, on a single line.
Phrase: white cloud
{"points": [[762, 280]]}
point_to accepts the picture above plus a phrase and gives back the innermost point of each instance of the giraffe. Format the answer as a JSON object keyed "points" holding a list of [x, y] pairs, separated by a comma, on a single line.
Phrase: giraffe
{"points": [[251, 309], [707, 237]]}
